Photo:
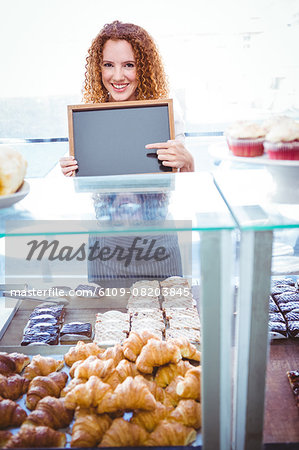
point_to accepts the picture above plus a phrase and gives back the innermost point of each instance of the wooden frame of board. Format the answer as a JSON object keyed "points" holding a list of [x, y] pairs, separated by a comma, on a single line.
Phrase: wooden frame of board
{"points": [[124, 126]]}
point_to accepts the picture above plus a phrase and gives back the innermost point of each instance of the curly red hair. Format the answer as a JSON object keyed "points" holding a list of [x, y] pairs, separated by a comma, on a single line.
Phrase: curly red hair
{"points": [[151, 78]]}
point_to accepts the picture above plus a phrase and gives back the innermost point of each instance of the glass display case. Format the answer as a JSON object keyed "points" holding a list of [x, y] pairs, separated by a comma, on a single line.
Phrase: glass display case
{"points": [[264, 203], [181, 215]]}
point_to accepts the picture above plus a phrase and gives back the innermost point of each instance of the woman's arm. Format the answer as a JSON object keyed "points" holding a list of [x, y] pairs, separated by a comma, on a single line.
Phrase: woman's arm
{"points": [[174, 154], [68, 165]]}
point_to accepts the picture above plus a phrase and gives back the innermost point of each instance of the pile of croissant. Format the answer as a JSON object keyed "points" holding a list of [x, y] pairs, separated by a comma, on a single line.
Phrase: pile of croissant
{"points": [[145, 392]]}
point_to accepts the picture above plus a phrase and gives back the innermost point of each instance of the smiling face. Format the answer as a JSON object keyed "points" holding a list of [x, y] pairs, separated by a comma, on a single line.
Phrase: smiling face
{"points": [[119, 70]]}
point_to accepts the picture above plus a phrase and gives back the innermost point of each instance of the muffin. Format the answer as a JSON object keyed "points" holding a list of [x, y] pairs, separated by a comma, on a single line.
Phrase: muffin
{"points": [[282, 141], [246, 139]]}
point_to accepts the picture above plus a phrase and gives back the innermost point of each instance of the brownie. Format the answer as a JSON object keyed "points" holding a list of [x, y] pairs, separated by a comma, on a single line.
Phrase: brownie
{"points": [[283, 281], [293, 328], [77, 328], [43, 326]]}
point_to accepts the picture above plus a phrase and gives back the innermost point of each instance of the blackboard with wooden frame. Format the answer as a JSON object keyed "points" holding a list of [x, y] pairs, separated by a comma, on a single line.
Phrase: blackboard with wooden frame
{"points": [[110, 138]]}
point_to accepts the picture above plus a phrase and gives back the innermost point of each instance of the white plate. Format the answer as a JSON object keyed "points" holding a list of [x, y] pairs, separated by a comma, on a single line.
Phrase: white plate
{"points": [[7, 200]]}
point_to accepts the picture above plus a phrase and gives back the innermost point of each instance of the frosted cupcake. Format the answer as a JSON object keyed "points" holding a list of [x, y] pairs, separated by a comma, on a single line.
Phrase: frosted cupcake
{"points": [[246, 139], [282, 141]]}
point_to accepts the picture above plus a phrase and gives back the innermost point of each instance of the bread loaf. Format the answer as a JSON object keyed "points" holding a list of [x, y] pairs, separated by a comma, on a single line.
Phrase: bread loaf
{"points": [[12, 170]]}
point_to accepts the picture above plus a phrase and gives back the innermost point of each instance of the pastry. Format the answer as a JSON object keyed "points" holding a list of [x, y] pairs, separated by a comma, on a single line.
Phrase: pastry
{"points": [[81, 351], [42, 365], [245, 138], [11, 414], [42, 386], [157, 353], [50, 412], [36, 437], [13, 387], [124, 434], [89, 428], [171, 434], [12, 170]]}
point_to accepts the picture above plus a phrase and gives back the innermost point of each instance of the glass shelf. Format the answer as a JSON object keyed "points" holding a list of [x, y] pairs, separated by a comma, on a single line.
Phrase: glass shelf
{"points": [[118, 204]]}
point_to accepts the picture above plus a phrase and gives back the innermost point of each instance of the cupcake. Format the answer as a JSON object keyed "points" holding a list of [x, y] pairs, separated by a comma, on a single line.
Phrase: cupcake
{"points": [[282, 141], [246, 139]]}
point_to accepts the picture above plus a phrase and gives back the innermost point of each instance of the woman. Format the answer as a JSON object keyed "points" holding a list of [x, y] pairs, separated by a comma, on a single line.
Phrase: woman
{"points": [[123, 64]]}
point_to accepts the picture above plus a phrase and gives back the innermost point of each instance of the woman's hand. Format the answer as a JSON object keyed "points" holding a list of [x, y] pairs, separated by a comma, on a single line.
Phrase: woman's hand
{"points": [[68, 165], [174, 154]]}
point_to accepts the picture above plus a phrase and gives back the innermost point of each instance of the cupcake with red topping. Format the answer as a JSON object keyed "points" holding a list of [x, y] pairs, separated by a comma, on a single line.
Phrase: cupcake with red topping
{"points": [[282, 141], [245, 139]]}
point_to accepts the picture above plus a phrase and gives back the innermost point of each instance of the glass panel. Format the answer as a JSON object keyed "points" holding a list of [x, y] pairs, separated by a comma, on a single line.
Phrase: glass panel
{"points": [[133, 202], [264, 198]]}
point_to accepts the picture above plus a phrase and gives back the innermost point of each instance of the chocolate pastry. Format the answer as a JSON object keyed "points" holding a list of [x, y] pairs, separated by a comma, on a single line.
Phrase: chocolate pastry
{"points": [[57, 311], [49, 318], [292, 315], [40, 338], [272, 306], [293, 328], [287, 297], [278, 330], [77, 328], [276, 317], [290, 306]]}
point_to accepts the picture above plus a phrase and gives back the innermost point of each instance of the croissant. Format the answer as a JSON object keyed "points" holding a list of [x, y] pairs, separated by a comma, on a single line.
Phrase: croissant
{"points": [[124, 434], [187, 349], [74, 382], [4, 437], [88, 394], [42, 366], [41, 387], [93, 366], [156, 390], [171, 396], [133, 344], [171, 433], [188, 412], [36, 437], [129, 395], [116, 353], [81, 351], [157, 353], [11, 363], [13, 387], [189, 386], [89, 428], [11, 414], [167, 373], [150, 419], [51, 412]]}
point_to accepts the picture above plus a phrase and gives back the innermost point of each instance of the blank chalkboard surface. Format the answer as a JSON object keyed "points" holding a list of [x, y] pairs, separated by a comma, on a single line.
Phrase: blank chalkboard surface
{"points": [[110, 138]]}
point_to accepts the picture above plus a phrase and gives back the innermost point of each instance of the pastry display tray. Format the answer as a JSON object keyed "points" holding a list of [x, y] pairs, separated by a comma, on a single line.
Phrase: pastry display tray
{"points": [[58, 352]]}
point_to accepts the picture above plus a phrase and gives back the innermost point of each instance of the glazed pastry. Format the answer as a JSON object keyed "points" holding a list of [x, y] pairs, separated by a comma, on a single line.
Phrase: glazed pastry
{"points": [[51, 412], [81, 351], [187, 349], [124, 434], [189, 387], [157, 353], [88, 394], [171, 433], [167, 373], [42, 366], [129, 395], [133, 344], [11, 363], [187, 412], [89, 428], [150, 419], [41, 387], [13, 387], [36, 437], [93, 366], [11, 414]]}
